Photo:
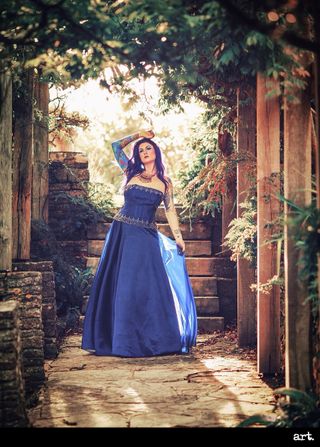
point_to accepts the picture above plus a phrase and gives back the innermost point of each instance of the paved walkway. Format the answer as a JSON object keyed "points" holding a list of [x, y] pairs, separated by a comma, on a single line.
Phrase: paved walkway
{"points": [[215, 386]]}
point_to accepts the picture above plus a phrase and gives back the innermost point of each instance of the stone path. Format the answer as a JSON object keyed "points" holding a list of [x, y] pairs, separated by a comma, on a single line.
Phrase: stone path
{"points": [[215, 386]]}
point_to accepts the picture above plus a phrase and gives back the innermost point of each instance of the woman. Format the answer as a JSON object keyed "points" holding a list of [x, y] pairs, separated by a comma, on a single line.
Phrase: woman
{"points": [[141, 302]]}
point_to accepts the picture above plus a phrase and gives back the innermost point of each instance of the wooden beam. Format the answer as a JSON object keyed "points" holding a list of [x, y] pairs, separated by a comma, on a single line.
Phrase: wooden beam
{"points": [[246, 143], [297, 188], [40, 178], [229, 212], [22, 167], [229, 199], [5, 170], [268, 208]]}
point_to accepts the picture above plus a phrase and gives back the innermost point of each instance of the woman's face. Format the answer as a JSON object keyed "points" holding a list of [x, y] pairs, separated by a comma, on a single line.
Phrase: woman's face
{"points": [[147, 152]]}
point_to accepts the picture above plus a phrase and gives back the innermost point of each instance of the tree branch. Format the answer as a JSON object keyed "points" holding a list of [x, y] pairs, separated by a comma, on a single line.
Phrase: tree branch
{"points": [[64, 14], [253, 23]]}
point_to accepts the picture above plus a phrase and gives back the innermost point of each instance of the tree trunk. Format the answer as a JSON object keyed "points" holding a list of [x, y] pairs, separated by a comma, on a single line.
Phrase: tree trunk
{"points": [[22, 167], [40, 180], [246, 142], [268, 208], [6, 172]]}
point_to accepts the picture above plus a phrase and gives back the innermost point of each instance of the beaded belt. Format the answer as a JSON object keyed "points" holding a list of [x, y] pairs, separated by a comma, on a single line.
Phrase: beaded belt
{"points": [[135, 221]]}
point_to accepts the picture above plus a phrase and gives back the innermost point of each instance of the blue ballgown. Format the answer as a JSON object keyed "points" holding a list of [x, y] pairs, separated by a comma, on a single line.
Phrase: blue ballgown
{"points": [[141, 302]]}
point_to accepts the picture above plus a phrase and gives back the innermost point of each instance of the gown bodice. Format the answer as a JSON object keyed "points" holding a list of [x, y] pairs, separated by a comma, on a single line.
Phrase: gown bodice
{"points": [[140, 205]]}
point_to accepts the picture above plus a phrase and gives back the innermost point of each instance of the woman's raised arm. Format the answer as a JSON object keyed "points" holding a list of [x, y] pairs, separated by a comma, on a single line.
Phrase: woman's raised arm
{"points": [[117, 147]]}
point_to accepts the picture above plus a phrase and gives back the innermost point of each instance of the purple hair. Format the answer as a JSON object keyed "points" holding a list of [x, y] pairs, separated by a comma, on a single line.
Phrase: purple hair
{"points": [[135, 165]]}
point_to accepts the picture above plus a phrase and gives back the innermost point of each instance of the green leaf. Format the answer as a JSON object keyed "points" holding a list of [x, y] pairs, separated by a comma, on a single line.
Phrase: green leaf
{"points": [[227, 56], [297, 395], [255, 419]]}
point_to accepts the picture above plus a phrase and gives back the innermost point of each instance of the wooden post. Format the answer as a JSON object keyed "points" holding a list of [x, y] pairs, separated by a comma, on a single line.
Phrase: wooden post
{"points": [[22, 167], [317, 169], [297, 188], [246, 142], [229, 212], [5, 172], [229, 199], [268, 208], [40, 179], [317, 105]]}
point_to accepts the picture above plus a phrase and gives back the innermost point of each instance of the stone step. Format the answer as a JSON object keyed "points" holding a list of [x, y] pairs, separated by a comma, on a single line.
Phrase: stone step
{"points": [[196, 266], [161, 216], [74, 248], [193, 248], [201, 285], [200, 280], [213, 266], [59, 174], [73, 159], [204, 285], [205, 324], [209, 324], [206, 305], [200, 231], [98, 231]]}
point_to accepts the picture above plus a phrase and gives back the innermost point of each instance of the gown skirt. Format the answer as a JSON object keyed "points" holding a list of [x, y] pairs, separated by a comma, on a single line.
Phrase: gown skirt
{"points": [[141, 301]]}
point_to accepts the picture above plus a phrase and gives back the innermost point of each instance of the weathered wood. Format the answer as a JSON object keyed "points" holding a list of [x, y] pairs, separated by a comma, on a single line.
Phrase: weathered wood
{"points": [[40, 178], [316, 367], [229, 212], [297, 188], [317, 107], [5, 170], [268, 208], [229, 199], [22, 167], [246, 143]]}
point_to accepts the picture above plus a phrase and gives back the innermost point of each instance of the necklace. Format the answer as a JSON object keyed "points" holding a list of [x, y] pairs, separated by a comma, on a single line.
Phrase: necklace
{"points": [[146, 178]]}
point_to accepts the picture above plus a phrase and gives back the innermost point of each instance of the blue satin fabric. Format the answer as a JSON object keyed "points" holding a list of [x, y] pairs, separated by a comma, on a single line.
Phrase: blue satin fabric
{"points": [[141, 302]]}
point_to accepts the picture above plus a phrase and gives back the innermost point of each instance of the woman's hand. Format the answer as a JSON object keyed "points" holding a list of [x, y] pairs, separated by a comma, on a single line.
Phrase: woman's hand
{"points": [[180, 243], [147, 133]]}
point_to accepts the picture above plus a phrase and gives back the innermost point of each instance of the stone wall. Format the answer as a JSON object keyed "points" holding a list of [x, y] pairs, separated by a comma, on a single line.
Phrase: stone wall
{"points": [[12, 399], [49, 308], [68, 174], [26, 289]]}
